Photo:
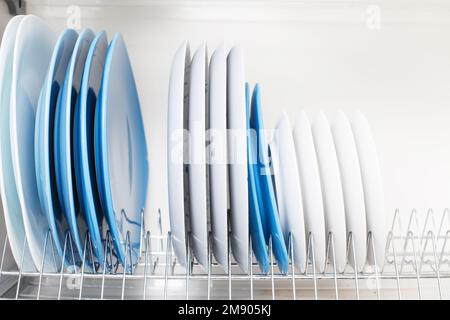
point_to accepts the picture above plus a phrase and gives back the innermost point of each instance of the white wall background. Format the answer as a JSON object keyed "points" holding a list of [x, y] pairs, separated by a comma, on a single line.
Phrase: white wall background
{"points": [[390, 59]]}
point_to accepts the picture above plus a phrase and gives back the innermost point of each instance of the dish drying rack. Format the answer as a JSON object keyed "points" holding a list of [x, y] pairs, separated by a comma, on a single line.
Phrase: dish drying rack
{"points": [[417, 266]]}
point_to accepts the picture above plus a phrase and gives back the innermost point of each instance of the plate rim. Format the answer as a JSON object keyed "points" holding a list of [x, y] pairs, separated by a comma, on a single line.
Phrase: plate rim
{"points": [[62, 130], [300, 250], [354, 217], [179, 242], [8, 41], [102, 158], [80, 147], [317, 217], [266, 186], [218, 121], [334, 218], [239, 217], [198, 174], [42, 139]]}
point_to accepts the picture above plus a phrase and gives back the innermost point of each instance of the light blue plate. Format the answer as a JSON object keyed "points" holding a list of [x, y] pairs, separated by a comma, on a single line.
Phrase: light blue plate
{"points": [[256, 230], [43, 135], [86, 179], [264, 179], [33, 50], [10, 200], [121, 154], [64, 153]]}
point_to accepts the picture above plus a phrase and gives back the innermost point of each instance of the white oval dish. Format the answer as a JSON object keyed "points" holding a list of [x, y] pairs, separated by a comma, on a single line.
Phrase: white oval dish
{"points": [[237, 157], [176, 150], [218, 153], [198, 175], [32, 53], [333, 198], [352, 189], [373, 188], [10, 201], [311, 189], [288, 190]]}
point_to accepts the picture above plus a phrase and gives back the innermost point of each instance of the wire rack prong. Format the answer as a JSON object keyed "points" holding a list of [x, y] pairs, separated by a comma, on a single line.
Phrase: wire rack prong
{"points": [[414, 266], [371, 244], [250, 264], [445, 217], [147, 249], [292, 256], [331, 251]]}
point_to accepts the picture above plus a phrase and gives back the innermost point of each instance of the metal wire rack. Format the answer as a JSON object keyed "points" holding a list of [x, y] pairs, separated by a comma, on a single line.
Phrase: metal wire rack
{"points": [[417, 266]]}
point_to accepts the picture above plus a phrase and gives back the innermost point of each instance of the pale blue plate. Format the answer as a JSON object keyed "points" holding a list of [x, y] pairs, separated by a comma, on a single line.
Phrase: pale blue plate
{"points": [[64, 153], [267, 198], [33, 50], [43, 135], [86, 179], [256, 229], [12, 212], [121, 154]]}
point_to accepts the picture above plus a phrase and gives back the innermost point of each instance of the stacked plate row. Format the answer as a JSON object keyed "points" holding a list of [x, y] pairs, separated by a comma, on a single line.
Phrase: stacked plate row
{"points": [[314, 193], [72, 147]]}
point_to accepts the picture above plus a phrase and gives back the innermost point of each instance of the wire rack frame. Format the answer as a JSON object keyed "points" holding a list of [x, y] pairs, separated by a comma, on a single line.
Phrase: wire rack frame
{"points": [[416, 266]]}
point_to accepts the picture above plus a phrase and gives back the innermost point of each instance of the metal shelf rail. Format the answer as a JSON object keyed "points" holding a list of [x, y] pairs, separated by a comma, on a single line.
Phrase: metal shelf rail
{"points": [[417, 266]]}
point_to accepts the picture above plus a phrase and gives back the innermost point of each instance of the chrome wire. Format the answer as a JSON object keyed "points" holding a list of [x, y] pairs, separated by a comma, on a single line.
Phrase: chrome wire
{"points": [[418, 253]]}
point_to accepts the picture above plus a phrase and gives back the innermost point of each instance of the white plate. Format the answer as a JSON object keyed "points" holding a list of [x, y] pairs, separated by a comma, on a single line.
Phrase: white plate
{"points": [[237, 157], [32, 53], [218, 155], [288, 190], [373, 189], [333, 198], [198, 175], [176, 149], [311, 190], [10, 200], [352, 188]]}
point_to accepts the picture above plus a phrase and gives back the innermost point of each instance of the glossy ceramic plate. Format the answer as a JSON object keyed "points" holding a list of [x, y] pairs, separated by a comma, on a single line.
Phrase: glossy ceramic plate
{"points": [[373, 188], [311, 189], [177, 150], [198, 175], [63, 144], [44, 138], [237, 157], [218, 153], [333, 198], [259, 245], [288, 190], [352, 188], [83, 145], [264, 179], [10, 200], [32, 53], [121, 153]]}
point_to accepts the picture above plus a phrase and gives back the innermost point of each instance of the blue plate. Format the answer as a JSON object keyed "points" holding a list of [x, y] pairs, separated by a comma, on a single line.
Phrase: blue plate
{"points": [[121, 154], [256, 229], [43, 135], [64, 153], [267, 199], [86, 180]]}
